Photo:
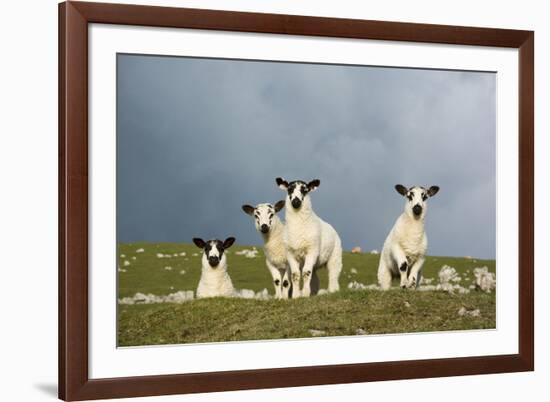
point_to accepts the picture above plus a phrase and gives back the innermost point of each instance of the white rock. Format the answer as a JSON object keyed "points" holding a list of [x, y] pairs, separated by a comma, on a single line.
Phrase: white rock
{"points": [[447, 274], [450, 288], [246, 293], [168, 268], [248, 253], [126, 263], [140, 250], [262, 295], [317, 332], [485, 280], [141, 298], [353, 271], [448, 281], [322, 292], [354, 285], [469, 313]]}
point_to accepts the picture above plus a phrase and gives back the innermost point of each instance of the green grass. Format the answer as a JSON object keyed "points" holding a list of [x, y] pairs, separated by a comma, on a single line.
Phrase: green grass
{"points": [[343, 313]]}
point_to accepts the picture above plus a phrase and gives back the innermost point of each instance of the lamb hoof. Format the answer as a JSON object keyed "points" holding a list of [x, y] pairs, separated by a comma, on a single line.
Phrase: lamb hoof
{"points": [[412, 284]]}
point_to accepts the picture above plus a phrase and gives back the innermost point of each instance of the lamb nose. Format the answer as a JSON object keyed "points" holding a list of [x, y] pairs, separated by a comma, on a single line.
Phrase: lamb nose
{"points": [[417, 209], [264, 228]]}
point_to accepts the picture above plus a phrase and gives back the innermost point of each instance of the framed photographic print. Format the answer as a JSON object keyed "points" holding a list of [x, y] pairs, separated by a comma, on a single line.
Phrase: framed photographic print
{"points": [[259, 200]]}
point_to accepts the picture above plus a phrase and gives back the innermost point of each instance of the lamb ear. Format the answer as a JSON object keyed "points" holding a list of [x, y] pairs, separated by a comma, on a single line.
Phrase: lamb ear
{"points": [[279, 205], [401, 189], [228, 242], [312, 185], [282, 183], [248, 209], [433, 190], [200, 243]]}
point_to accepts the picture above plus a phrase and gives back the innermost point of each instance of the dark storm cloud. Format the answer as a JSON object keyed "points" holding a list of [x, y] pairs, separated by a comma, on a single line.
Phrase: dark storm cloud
{"points": [[198, 138]]}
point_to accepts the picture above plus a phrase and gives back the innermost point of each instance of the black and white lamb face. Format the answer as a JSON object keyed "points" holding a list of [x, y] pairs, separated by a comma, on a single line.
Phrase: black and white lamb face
{"points": [[297, 190], [213, 250], [417, 197], [263, 214]]}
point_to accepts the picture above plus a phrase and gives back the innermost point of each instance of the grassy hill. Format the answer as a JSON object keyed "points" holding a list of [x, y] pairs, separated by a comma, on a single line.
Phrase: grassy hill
{"points": [[344, 313]]}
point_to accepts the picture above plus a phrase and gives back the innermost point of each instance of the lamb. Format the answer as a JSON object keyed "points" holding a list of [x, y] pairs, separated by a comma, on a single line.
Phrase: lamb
{"points": [[311, 243], [215, 280], [406, 244], [271, 228]]}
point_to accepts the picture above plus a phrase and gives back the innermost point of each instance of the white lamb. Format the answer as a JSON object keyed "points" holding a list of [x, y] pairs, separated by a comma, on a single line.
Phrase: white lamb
{"points": [[311, 242], [271, 228], [215, 280], [406, 245]]}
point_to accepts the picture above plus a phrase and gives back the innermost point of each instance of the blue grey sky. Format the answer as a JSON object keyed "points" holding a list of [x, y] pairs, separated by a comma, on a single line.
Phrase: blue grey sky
{"points": [[197, 138]]}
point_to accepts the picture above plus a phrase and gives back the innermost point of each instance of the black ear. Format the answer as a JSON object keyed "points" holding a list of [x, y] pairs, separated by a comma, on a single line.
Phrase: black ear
{"points": [[200, 243], [279, 205], [312, 185], [248, 209], [401, 189], [282, 183], [228, 242], [433, 190]]}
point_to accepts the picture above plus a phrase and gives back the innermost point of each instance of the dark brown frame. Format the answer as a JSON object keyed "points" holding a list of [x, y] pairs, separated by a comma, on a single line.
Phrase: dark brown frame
{"points": [[74, 17]]}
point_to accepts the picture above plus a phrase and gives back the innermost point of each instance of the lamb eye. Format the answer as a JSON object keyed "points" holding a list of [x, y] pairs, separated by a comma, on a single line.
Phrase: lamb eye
{"points": [[410, 197]]}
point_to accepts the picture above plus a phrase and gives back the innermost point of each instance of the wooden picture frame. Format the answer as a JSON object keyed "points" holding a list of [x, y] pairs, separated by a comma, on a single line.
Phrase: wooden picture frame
{"points": [[74, 381]]}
